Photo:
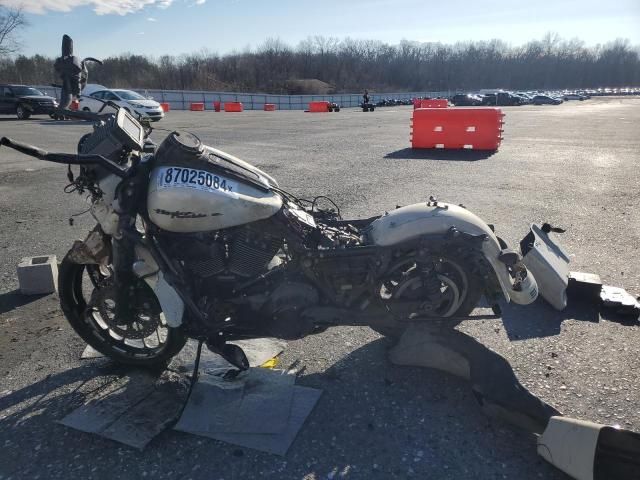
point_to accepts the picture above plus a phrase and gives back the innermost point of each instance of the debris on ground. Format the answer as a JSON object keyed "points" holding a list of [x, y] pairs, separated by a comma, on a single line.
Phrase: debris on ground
{"points": [[619, 301]]}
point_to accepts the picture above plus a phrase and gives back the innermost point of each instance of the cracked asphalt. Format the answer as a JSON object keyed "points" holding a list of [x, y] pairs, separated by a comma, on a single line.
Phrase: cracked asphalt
{"points": [[575, 165]]}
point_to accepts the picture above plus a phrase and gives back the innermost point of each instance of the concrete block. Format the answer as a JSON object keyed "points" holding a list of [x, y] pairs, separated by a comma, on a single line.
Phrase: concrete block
{"points": [[38, 275]]}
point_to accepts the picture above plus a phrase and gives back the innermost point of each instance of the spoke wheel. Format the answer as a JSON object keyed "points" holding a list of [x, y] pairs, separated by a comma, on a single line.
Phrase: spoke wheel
{"points": [[143, 338], [444, 287]]}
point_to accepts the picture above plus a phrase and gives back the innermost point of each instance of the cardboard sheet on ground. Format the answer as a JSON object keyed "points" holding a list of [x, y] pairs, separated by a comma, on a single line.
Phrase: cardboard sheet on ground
{"points": [[261, 409], [257, 401], [132, 409], [90, 352], [303, 401]]}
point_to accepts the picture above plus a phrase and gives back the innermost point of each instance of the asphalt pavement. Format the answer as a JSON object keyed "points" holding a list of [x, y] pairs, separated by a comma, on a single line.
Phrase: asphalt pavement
{"points": [[574, 165]]}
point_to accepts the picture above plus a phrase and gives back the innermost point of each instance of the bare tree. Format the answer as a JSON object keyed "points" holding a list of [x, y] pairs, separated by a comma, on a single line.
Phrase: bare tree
{"points": [[12, 20], [320, 64]]}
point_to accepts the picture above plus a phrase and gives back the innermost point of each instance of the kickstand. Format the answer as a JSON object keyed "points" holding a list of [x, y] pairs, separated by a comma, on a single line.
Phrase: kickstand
{"points": [[196, 367], [194, 376]]}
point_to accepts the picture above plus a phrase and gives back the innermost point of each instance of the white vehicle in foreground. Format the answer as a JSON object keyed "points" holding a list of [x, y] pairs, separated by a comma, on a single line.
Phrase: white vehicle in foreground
{"points": [[92, 100]]}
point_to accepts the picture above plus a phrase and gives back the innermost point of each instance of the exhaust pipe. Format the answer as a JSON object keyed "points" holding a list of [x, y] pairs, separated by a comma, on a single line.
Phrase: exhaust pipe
{"points": [[590, 451]]}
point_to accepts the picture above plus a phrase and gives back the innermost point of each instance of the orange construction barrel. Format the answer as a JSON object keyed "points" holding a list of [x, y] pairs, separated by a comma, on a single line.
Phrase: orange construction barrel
{"points": [[216, 106], [316, 107], [434, 103], [233, 107], [456, 128]]}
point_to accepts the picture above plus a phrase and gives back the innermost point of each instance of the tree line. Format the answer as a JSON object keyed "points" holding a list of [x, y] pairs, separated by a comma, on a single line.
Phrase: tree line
{"points": [[351, 65]]}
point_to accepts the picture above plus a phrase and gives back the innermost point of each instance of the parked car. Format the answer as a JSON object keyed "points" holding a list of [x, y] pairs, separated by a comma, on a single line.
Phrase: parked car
{"points": [[466, 100], [24, 101], [131, 101], [546, 100], [574, 96], [524, 98], [501, 99]]}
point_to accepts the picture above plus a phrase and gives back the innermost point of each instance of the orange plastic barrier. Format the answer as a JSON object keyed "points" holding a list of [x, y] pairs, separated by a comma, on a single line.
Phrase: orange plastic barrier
{"points": [[316, 107], [470, 128], [216, 106], [197, 107], [233, 107], [269, 107], [434, 103], [165, 107], [75, 105]]}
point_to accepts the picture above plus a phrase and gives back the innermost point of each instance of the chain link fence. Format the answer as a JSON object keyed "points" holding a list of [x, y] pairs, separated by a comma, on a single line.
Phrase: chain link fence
{"points": [[182, 99]]}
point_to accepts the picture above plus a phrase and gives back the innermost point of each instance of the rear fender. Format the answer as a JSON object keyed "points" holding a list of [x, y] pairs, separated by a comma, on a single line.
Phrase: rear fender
{"points": [[436, 218]]}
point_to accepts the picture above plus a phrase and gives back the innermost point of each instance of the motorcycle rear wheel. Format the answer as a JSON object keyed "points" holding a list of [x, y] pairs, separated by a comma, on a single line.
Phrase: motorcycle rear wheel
{"points": [[74, 281], [469, 288]]}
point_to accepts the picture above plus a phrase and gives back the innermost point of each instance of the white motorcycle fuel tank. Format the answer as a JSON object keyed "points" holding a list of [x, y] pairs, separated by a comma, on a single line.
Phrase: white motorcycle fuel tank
{"points": [[193, 188]]}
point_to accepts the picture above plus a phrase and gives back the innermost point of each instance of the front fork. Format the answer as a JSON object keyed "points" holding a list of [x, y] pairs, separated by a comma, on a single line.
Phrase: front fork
{"points": [[122, 260]]}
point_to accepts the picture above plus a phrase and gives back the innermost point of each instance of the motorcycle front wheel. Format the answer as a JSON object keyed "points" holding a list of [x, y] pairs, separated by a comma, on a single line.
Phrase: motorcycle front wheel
{"points": [[87, 300]]}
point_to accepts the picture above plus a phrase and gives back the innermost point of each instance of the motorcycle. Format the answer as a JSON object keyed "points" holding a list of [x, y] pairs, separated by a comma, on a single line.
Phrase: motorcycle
{"points": [[192, 242]]}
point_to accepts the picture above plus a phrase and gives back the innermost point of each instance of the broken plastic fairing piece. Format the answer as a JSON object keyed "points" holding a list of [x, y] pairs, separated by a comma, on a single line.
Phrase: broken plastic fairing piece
{"points": [[549, 263], [620, 301]]}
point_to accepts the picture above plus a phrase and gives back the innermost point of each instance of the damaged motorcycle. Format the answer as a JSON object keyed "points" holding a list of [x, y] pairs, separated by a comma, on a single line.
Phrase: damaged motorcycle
{"points": [[192, 242]]}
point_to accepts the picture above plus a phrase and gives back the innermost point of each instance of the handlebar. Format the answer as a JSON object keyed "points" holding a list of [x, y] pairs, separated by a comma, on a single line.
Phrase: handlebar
{"points": [[66, 158]]}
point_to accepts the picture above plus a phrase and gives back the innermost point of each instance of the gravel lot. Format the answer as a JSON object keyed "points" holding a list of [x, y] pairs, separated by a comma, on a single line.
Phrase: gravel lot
{"points": [[574, 165]]}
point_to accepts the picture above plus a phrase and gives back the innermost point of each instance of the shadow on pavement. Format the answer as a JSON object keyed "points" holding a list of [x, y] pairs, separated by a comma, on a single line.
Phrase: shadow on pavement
{"points": [[374, 419], [401, 422], [12, 300], [542, 320], [63, 122], [440, 154]]}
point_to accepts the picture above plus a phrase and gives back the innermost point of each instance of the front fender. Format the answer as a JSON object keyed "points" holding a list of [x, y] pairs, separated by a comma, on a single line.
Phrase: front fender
{"points": [[96, 250], [145, 267], [437, 218]]}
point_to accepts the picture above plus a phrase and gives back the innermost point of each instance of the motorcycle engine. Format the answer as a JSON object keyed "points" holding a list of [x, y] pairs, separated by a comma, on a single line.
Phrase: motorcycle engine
{"points": [[251, 250], [240, 252]]}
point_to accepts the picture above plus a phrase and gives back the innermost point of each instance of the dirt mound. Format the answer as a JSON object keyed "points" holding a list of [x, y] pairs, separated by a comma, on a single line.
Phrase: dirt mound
{"points": [[309, 86]]}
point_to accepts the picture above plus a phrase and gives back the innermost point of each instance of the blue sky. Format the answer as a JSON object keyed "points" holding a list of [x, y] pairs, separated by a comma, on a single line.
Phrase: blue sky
{"points": [[155, 27]]}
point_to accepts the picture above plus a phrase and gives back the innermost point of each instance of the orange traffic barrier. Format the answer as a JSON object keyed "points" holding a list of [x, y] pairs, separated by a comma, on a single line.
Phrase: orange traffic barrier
{"points": [[269, 107], [197, 107], [470, 128], [216, 106], [233, 107], [75, 105], [165, 107], [316, 107], [434, 103]]}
